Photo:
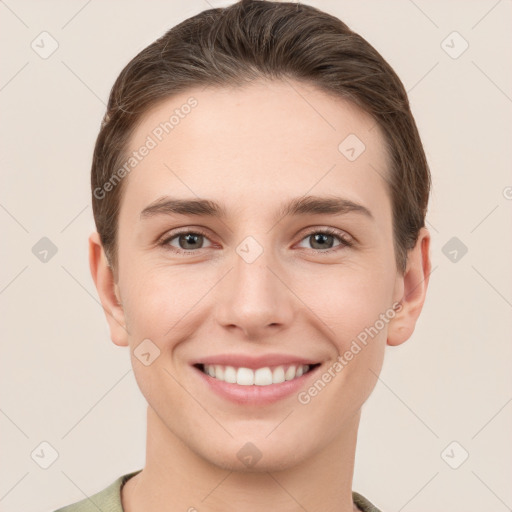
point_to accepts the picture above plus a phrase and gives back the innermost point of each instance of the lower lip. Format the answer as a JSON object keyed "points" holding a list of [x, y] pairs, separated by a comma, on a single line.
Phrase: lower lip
{"points": [[255, 395]]}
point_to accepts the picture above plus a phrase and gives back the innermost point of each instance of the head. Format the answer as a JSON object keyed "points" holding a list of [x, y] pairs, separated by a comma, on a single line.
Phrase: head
{"points": [[275, 122]]}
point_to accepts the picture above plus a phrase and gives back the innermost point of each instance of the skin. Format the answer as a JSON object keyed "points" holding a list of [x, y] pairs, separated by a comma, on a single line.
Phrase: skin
{"points": [[251, 149]]}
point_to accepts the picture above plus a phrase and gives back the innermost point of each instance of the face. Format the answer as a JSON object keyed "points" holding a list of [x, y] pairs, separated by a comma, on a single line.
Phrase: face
{"points": [[251, 245]]}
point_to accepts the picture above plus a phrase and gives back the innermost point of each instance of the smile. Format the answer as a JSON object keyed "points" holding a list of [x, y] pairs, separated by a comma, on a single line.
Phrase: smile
{"points": [[264, 376]]}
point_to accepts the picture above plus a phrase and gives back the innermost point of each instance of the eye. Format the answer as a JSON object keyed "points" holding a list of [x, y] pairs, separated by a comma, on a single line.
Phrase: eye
{"points": [[186, 241], [321, 240], [324, 240]]}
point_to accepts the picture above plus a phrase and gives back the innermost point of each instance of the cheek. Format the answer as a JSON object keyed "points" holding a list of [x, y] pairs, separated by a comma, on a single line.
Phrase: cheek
{"points": [[346, 299], [158, 298], [357, 308]]}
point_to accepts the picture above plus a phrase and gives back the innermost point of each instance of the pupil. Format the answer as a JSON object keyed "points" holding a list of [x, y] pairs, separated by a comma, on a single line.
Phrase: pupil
{"points": [[189, 239], [321, 238]]}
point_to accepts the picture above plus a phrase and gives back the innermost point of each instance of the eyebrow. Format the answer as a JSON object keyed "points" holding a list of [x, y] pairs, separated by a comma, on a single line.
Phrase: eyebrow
{"points": [[307, 205], [169, 205]]}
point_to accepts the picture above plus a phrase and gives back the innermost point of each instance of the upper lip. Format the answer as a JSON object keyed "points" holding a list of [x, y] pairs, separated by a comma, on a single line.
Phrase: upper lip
{"points": [[254, 362]]}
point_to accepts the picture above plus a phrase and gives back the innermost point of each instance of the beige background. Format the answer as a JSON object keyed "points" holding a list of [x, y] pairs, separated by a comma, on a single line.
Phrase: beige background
{"points": [[64, 382]]}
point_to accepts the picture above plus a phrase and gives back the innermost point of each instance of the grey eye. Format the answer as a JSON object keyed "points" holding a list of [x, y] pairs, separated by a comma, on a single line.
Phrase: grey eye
{"points": [[188, 241], [319, 240]]}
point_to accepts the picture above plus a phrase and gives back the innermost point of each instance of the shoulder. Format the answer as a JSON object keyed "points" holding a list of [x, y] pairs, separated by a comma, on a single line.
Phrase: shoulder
{"points": [[363, 504], [107, 500]]}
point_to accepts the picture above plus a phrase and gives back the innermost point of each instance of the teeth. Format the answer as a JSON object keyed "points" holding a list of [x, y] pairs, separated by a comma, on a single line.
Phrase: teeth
{"points": [[245, 377], [229, 374], [263, 377], [260, 377], [290, 373], [219, 370], [278, 375]]}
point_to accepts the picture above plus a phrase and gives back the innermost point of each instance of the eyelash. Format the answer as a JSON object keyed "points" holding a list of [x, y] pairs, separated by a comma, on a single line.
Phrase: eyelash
{"points": [[340, 235]]}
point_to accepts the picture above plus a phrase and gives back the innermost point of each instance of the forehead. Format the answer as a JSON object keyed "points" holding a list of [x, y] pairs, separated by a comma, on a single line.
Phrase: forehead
{"points": [[262, 141]]}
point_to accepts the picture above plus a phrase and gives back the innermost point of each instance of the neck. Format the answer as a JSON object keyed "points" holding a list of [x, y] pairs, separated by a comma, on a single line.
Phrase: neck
{"points": [[177, 479]]}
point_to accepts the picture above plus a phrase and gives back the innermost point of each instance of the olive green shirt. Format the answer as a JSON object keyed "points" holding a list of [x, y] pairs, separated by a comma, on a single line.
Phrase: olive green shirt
{"points": [[109, 500]]}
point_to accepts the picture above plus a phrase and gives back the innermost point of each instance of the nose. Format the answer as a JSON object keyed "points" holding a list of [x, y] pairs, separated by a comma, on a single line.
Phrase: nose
{"points": [[255, 298]]}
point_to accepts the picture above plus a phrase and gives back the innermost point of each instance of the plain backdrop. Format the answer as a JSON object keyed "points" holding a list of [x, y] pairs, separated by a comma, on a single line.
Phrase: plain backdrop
{"points": [[443, 395]]}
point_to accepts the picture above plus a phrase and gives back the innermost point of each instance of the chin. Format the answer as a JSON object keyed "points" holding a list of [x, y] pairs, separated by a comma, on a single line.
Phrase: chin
{"points": [[256, 455]]}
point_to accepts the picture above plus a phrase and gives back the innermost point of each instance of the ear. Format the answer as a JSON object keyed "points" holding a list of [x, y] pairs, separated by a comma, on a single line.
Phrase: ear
{"points": [[108, 291], [412, 288]]}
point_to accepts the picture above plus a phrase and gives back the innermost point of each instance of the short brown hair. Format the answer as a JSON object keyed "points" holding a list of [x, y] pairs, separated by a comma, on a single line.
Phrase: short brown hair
{"points": [[250, 40]]}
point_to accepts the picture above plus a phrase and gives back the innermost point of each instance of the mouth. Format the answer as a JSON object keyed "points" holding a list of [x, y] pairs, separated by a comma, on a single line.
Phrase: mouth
{"points": [[254, 380], [263, 376]]}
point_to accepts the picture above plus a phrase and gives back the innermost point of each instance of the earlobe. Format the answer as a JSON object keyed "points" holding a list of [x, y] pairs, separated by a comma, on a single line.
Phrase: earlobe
{"points": [[108, 291], [414, 284]]}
